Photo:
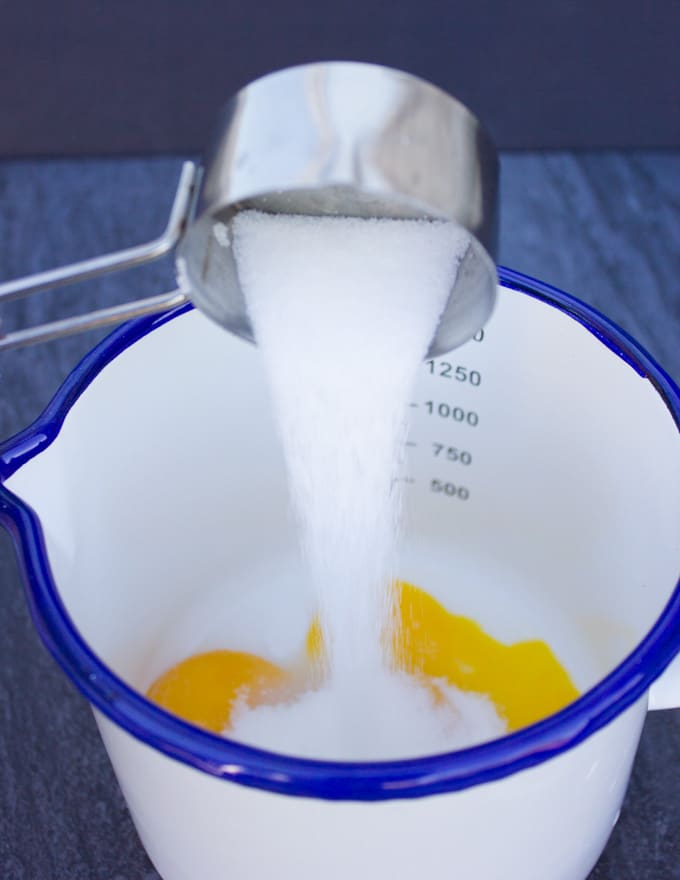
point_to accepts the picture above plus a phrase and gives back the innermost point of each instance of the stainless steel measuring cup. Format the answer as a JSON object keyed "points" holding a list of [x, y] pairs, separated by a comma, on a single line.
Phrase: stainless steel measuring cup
{"points": [[333, 138]]}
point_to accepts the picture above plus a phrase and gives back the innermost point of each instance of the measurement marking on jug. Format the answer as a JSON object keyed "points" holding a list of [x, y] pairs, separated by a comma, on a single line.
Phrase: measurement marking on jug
{"points": [[451, 453], [446, 370], [457, 413], [441, 487], [411, 443], [479, 335]]}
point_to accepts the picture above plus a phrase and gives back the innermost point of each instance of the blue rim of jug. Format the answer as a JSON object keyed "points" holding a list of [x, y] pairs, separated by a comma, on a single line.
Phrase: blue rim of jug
{"points": [[242, 764]]}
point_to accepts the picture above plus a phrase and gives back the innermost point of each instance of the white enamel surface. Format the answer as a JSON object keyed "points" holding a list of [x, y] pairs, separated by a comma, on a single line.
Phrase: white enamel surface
{"points": [[545, 823], [665, 692], [165, 512]]}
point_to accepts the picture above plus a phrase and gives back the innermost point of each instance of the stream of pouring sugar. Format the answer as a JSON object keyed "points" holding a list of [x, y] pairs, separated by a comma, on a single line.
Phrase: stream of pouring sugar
{"points": [[344, 311]]}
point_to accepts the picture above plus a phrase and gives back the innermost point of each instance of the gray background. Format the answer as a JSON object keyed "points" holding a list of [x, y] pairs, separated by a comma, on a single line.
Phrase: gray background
{"points": [[100, 78]]}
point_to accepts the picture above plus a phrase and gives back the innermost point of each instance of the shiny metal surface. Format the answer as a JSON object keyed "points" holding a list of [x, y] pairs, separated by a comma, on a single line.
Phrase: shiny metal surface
{"points": [[350, 139], [126, 259], [151, 305], [335, 138]]}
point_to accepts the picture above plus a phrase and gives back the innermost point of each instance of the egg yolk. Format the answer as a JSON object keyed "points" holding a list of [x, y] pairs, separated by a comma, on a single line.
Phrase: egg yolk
{"points": [[525, 681], [204, 689]]}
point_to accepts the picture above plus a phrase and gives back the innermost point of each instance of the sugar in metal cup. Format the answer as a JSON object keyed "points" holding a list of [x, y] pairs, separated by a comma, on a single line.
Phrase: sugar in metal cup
{"points": [[352, 140], [326, 139]]}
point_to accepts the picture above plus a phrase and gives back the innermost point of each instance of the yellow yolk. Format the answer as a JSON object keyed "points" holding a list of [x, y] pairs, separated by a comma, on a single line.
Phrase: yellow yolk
{"points": [[525, 681], [204, 689]]}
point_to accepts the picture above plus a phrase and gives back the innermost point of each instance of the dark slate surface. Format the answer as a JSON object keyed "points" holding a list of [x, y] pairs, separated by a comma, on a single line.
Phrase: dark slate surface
{"points": [[604, 227], [82, 77]]}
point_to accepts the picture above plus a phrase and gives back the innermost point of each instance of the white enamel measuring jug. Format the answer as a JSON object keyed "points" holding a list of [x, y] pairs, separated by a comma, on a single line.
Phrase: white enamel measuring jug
{"points": [[543, 500]]}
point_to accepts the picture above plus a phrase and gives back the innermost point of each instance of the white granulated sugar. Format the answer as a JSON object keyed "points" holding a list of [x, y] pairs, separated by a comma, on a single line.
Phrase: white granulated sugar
{"points": [[399, 719], [344, 311], [221, 234]]}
